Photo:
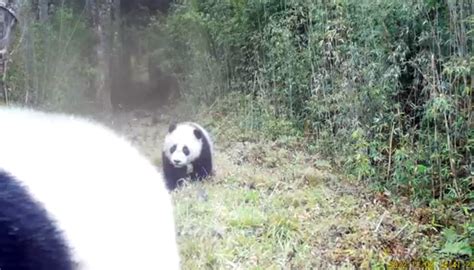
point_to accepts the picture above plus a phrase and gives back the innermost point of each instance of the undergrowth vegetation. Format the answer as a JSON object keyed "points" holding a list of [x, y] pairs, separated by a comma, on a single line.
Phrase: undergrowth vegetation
{"points": [[50, 66], [387, 83], [274, 205], [383, 88]]}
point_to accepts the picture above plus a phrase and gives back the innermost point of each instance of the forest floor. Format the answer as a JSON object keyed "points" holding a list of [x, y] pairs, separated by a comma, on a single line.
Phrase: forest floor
{"points": [[271, 205]]}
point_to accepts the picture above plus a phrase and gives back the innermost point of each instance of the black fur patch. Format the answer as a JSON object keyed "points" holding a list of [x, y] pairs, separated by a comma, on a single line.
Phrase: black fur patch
{"points": [[172, 127], [173, 148], [186, 151], [202, 166], [29, 239], [198, 133]]}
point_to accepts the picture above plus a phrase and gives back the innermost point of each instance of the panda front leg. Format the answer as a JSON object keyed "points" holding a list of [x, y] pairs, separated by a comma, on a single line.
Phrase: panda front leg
{"points": [[202, 169], [172, 174]]}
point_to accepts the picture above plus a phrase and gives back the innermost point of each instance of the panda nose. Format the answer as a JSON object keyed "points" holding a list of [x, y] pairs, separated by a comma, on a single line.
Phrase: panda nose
{"points": [[177, 162]]}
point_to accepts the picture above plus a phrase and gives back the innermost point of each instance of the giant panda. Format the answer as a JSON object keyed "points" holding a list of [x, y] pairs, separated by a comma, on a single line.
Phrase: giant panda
{"points": [[74, 195], [187, 151]]}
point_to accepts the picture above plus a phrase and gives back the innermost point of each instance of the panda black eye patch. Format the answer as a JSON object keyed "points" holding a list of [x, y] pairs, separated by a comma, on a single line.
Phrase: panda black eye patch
{"points": [[173, 148], [186, 150]]}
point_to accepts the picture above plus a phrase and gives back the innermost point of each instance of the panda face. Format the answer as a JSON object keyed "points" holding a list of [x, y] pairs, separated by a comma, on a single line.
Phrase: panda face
{"points": [[183, 144]]}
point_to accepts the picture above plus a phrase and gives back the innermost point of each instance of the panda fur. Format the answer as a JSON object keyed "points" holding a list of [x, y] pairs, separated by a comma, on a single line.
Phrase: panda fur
{"points": [[187, 151], [73, 195]]}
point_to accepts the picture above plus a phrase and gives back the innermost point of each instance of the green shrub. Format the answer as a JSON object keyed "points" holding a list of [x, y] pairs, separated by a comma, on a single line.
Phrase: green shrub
{"points": [[49, 66], [384, 84]]}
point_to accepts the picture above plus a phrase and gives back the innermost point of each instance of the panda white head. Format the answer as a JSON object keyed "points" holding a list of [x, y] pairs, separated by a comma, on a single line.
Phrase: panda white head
{"points": [[183, 144]]}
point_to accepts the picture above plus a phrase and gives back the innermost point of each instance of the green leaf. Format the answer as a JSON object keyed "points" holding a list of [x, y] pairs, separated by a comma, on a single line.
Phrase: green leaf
{"points": [[450, 235], [421, 169], [457, 248]]}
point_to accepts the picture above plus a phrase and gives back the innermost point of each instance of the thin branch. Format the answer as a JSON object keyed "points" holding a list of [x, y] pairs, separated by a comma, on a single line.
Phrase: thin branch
{"points": [[400, 231], [380, 221]]}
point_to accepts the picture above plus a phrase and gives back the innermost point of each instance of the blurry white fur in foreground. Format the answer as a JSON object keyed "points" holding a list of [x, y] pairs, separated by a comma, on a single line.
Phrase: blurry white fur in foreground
{"points": [[80, 194]]}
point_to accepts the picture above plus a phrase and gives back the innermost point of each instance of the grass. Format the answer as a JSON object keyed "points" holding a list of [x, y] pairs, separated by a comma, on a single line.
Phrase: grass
{"points": [[271, 205]]}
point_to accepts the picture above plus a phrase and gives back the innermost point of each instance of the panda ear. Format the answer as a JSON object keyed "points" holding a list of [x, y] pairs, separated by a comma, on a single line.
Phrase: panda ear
{"points": [[198, 133], [172, 127]]}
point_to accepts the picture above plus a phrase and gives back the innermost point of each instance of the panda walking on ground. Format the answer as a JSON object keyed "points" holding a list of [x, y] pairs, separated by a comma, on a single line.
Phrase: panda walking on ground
{"points": [[73, 195], [187, 151]]}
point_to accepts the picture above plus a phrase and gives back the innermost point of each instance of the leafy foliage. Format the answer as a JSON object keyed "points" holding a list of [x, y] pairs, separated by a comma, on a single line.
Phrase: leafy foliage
{"points": [[456, 244], [384, 88], [386, 84], [50, 66]]}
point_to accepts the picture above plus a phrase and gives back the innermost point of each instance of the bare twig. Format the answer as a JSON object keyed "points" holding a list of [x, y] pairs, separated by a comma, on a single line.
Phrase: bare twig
{"points": [[400, 231], [389, 167], [4, 85], [380, 221]]}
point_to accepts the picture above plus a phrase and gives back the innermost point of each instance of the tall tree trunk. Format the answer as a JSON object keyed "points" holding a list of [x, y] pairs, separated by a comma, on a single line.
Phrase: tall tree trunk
{"points": [[8, 13], [43, 10], [101, 14], [30, 72], [115, 66]]}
